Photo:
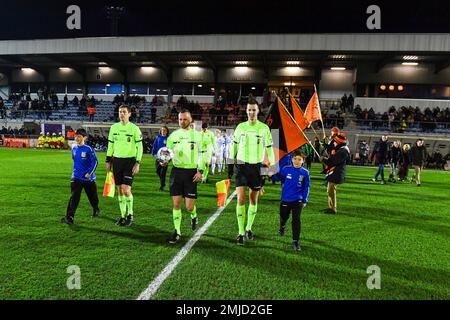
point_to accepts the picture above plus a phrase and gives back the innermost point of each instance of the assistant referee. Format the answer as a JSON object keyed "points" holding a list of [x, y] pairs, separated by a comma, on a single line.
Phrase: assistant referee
{"points": [[125, 154]]}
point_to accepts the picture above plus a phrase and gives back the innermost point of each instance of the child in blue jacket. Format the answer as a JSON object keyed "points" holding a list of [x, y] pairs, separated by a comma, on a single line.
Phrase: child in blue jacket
{"points": [[294, 194]]}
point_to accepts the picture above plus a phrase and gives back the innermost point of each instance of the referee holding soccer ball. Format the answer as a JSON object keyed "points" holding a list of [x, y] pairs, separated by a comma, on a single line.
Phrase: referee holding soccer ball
{"points": [[186, 144]]}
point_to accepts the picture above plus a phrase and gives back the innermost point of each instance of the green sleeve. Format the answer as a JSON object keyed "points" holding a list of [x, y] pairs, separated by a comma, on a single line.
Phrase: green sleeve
{"points": [[110, 151], [234, 150], [169, 143], [139, 146], [201, 163], [269, 147]]}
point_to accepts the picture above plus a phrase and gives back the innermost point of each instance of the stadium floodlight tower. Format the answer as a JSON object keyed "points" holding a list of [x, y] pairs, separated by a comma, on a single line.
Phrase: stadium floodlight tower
{"points": [[114, 13]]}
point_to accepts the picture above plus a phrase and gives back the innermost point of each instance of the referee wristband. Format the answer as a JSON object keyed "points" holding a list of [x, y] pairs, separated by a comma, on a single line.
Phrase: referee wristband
{"points": [[108, 159]]}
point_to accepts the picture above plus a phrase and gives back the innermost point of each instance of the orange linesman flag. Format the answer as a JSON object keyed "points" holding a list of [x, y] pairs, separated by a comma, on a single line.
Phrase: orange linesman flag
{"points": [[222, 188], [290, 137], [110, 186], [312, 111], [298, 114]]}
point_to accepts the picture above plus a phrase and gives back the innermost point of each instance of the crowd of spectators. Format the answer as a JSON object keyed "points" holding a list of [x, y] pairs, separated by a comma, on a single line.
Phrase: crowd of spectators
{"points": [[100, 143], [404, 118], [220, 113], [15, 132]]}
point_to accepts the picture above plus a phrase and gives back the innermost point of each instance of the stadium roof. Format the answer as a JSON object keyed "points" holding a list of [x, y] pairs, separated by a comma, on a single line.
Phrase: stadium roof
{"points": [[214, 51]]}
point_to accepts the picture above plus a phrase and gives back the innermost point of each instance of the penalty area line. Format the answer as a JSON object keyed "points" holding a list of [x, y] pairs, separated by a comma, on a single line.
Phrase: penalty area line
{"points": [[170, 267]]}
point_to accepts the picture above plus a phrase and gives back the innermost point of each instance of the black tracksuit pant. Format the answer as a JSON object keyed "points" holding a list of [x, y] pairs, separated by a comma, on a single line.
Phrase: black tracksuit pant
{"points": [[77, 186], [285, 209], [161, 171]]}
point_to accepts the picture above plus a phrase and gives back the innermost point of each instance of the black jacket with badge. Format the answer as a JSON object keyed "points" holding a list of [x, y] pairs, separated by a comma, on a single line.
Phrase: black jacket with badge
{"points": [[336, 164]]}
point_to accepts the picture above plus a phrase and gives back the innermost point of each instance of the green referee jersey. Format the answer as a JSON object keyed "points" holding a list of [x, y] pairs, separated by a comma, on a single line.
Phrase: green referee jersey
{"points": [[251, 141], [209, 142], [186, 146], [125, 141]]}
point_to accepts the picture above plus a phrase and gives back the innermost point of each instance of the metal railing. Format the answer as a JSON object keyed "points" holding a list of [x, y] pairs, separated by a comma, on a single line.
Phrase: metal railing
{"points": [[396, 126]]}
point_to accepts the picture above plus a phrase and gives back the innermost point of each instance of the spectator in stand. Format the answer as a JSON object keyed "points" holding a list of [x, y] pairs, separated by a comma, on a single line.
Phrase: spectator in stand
{"points": [[65, 102], [350, 101], [403, 126], [138, 114], [2, 109], [75, 101], [91, 112], [116, 113], [153, 116], [344, 102]]}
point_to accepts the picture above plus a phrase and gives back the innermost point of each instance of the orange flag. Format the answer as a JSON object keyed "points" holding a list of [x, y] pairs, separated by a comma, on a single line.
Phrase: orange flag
{"points": [[298, 114], [312, 111], [222, 188], [289, 136], [109, 188]]}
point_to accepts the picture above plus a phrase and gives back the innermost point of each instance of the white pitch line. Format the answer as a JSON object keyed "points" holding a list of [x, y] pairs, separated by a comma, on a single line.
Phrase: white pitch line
{"points": [[157, 282]]}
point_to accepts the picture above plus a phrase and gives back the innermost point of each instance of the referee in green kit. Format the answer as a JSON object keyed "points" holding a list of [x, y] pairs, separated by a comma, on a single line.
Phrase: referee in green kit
{"points": [[188, 166], [125, 154], [251, 139]]}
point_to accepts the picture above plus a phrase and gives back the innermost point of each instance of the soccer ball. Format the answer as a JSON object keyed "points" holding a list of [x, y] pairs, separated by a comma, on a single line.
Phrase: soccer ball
{"points": [[164, 155]]}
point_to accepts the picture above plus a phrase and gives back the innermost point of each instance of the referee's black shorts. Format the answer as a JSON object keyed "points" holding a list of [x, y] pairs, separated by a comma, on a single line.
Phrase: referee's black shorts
{"points": [[181, 183], [122, 169], [248, 175]]}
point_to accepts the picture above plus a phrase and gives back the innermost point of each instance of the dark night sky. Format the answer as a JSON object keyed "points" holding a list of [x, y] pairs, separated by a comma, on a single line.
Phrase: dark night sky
{"points": [[47, 19]]}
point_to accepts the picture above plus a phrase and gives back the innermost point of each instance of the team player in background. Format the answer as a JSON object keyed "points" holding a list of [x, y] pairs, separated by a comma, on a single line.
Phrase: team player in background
{"points": [[124, 154], [251, 140], [83, 177], [215, 157], [187, 170], [209, 150], [221, 151], [229, 162]]}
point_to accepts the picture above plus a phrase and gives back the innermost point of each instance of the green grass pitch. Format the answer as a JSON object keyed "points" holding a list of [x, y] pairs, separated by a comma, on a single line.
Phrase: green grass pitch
{"points": [[403, 229]]}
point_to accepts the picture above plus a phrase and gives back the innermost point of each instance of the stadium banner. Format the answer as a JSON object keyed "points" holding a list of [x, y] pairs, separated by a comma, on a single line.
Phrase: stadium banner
{"points": [[53, 128], [19, 142]]}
